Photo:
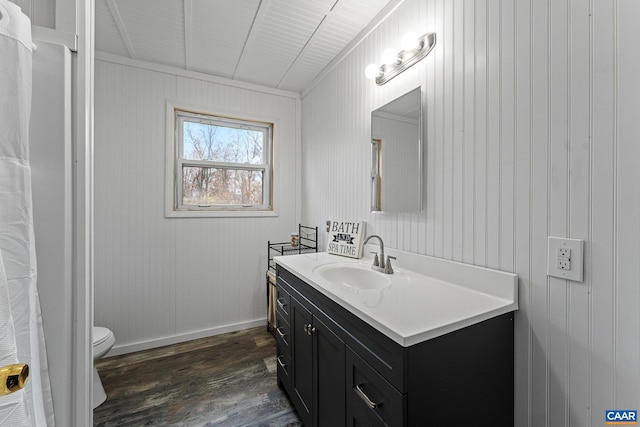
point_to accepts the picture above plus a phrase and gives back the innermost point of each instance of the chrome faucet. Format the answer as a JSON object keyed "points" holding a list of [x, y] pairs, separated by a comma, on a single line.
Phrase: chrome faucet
{"points": [[380, 264]]}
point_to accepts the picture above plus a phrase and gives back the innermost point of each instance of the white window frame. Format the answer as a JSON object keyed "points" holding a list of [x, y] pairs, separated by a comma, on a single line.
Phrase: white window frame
{"points": [[175, 116]]}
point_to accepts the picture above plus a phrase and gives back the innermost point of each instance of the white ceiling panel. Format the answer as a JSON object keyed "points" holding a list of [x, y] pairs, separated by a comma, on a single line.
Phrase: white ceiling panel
{"points": [[156, 29], [323, 5], [361, 12], [285, 30], [281, 44], [110, 39], [314, 59], [217, 42]]}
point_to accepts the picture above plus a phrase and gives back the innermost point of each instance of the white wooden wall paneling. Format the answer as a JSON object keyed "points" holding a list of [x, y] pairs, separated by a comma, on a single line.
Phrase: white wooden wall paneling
{"points": [[557, 353], [161, 280], [507, 25], [468, 132], [493, 133], [604, 209], [523, 212], [628, 317], [579, 142], [531, 127], [429, 132], [135, 253], [480, 158], [539, 192]]}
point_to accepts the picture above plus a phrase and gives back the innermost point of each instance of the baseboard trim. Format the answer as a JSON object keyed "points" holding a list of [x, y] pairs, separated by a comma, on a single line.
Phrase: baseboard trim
{"points": [[118, 350]]}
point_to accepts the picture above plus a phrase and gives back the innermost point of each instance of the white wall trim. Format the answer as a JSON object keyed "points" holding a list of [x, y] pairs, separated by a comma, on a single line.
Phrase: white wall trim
{"points": [[69, 40], [83, 280], [67, 20], [51, 147], [115, 59], [184, 337], [298, 164]]}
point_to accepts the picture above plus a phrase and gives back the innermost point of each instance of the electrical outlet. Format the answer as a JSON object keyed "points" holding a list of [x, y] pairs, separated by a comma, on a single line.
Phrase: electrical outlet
{"points": [[564, 264], [564, 258]]}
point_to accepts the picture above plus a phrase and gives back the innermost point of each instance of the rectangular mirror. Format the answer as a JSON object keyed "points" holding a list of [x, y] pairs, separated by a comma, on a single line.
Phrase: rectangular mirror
{"points": [[396, 155]]}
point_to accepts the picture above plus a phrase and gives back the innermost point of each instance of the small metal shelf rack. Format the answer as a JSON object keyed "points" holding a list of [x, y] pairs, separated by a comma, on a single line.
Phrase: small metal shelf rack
{"points": [[307, 242]]}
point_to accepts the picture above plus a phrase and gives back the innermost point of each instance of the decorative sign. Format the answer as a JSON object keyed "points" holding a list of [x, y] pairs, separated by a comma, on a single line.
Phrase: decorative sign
{"points": [[345, 238]]}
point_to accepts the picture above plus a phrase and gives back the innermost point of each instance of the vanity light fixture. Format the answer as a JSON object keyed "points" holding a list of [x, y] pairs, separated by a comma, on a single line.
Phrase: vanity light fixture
{"points": [[414, 49]]}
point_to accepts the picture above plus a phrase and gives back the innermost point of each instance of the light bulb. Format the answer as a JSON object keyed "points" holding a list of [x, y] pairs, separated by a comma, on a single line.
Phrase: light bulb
{"points": [[372, 71], [389, 56], [410, 41]]}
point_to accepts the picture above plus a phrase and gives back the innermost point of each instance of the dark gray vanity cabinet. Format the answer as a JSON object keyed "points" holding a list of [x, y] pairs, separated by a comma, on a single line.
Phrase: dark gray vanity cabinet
{"points": [[340, 371], [315, 356]]}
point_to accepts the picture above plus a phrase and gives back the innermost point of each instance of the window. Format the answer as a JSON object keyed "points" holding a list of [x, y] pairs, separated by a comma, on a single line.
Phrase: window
{"points": [[220, 164]]}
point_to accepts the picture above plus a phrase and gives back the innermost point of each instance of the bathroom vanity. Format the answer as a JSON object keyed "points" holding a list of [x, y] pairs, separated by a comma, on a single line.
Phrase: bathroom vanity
{"points": [[357, 348]]}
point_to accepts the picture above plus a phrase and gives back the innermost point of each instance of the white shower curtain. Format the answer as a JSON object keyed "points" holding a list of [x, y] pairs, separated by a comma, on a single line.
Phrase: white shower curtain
{"points": [[21, 332]]}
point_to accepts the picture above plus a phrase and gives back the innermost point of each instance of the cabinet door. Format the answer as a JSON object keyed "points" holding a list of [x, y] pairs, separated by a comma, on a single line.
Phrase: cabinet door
{"points": [[302, 359], [330, 375], [318, 369]]}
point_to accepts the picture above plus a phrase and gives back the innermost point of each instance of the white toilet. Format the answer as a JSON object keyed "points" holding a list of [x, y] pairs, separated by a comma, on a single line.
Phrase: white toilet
{"points": [[103, 340]]}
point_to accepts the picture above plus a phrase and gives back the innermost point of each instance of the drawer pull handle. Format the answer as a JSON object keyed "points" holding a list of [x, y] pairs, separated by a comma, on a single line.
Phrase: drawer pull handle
{"points": [[280, 362], [281, 303], [371, 404], [282, 335]]}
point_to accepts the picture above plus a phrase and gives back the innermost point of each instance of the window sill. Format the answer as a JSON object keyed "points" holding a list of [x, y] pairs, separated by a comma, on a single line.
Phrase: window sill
{"points": [[220, 214]]}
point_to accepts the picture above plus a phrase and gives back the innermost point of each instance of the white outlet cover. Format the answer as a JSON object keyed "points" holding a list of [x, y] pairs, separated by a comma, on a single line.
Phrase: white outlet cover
{"points": [[576, 246]]}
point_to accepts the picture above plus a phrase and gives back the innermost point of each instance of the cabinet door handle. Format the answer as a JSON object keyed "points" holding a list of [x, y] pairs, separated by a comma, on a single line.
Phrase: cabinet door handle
{"points": [[371, 404], [282, 334], [281, 303], [309, 329], [280, 362]]}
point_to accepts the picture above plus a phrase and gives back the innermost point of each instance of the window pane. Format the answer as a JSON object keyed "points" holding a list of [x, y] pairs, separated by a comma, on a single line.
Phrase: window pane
{"points": [[205, 141], [216, 186]]}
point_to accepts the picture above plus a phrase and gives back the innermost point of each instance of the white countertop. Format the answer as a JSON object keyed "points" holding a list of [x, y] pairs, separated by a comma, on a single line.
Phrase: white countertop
{"points": [[427, 297]]}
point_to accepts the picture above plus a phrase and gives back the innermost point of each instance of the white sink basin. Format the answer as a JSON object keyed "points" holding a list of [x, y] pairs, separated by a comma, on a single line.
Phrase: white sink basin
{"points": [[353, 276]]}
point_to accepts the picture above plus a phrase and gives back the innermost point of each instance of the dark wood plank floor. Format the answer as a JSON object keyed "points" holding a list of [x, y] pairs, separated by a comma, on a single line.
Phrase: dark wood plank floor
{"points": [[227, 380]]}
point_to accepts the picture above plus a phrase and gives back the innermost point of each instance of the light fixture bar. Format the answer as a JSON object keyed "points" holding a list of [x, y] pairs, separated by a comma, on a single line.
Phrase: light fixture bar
{"points": [[406, 59]]}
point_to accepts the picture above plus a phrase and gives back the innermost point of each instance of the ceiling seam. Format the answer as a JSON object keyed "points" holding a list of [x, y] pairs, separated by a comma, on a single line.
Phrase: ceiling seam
{"points": [[355, 42], [259, 16], [115, 14], [332, 12], [303, 50]]}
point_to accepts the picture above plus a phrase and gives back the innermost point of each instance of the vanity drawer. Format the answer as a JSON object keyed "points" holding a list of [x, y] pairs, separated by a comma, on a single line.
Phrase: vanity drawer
{"points": [[283, 367], [371, 400], [283, 302], [282, 332]]}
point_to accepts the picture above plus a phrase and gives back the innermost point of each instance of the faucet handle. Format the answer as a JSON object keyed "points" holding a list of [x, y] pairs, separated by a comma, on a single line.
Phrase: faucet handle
{"points": [[376, 262], [388, 269]]}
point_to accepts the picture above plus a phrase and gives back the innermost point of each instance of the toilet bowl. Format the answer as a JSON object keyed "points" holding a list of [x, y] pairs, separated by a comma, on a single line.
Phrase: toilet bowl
{"points": [[103, 340]]}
